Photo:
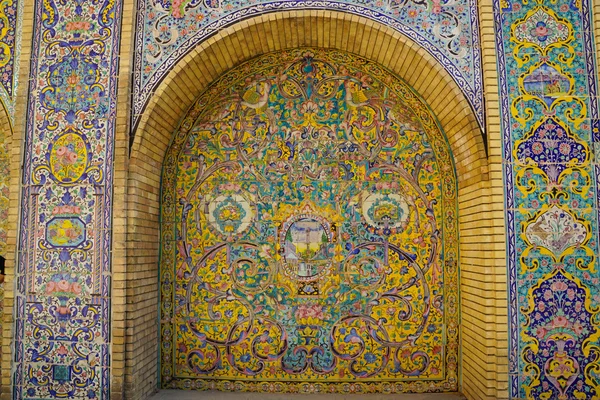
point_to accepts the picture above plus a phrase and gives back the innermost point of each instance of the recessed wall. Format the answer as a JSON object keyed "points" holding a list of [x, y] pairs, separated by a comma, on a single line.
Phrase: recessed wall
{"points": [[481, 220]]}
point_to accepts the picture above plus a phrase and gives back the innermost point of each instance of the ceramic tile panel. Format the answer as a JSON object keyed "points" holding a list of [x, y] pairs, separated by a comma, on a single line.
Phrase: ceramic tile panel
{"points": [[10, 49], [309, 238], [549, 115], [167, 30], [62, 299]]}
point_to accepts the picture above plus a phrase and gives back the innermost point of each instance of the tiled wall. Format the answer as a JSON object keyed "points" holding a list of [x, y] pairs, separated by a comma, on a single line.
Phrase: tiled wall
{"points": [[548, 82], [10, 47], [167, 30], [62, 303], [333, 199], [136, 225], [481, 218]]}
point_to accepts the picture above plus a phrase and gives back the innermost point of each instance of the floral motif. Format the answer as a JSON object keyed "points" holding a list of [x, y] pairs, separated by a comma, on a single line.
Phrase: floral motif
{"points": [[68, 158], [542, 28], [9, 52], [230, 214], [557, 230], [168, 29], [63, 284], [73, 80], [337, 274], [548, 97], [65, 232], [386, 213], [561, 324], [551, 148], [311, 314]]}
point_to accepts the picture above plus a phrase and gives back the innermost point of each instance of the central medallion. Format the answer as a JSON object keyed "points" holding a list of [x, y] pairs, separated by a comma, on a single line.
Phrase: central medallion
{"points": [[306, 248]]}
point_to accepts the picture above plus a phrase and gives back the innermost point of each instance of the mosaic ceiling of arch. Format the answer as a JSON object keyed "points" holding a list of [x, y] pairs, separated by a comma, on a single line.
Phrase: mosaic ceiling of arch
{"points": [[169, 29], [309, 234]]}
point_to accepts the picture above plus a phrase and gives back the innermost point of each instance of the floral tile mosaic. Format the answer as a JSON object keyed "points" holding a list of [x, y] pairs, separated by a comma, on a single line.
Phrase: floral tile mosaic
{"points": [[166, 30], [309, 234], [549, 116], [10, 49], [62, 310]]}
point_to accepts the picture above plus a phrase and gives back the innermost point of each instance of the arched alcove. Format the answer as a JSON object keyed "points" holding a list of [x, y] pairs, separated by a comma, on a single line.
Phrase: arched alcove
{"points": [[309, 233], [353, 34]]}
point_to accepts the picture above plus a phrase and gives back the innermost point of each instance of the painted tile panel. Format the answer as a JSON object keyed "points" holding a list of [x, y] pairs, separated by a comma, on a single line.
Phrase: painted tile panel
{"points": [[169, 29], [62, 329], [10, 49], [549, 113], [309, 237]]}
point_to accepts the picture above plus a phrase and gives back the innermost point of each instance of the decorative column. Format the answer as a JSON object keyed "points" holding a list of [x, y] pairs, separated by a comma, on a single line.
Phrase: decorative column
{"points": [[62, 312], [550, 124]]}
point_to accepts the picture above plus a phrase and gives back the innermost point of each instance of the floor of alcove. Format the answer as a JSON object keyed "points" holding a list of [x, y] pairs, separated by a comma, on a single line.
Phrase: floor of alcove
{"points": [[213, 395]]}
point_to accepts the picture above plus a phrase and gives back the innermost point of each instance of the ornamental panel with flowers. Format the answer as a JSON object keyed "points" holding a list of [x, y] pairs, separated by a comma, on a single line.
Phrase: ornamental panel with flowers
{"points": [[309, 234], [550, 126]]}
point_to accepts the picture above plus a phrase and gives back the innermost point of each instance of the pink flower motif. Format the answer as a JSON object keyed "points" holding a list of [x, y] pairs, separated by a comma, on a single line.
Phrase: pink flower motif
{"points": [[230, 187], [63, 285], [307, 311], [541, 31], [570, 294], [559, 286], [176, 8], [537, 148], [560, 321], [548, 294], [72, 157], [541, 306], [61, 151], [62, 350], [50, 287], [309, 107], [540, 332], [564, 148], [66, 210], [76, 288]]}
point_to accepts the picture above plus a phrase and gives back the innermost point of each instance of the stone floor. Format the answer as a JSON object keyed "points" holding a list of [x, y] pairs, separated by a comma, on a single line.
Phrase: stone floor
{"points": [[191, 395]]}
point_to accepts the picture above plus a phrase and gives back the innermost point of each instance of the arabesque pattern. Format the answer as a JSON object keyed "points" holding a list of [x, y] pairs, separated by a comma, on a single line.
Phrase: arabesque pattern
{"points": [[550, 123], [309, 234], [62, 300], [166, 30], [10, 49]]}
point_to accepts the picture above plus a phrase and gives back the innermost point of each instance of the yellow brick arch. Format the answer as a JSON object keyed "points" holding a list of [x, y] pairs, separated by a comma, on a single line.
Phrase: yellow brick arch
{"points": [[479, 218], [310, 28]]}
